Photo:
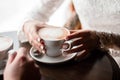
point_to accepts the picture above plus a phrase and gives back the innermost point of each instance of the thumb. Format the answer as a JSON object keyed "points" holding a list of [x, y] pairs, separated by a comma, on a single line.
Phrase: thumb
{"points": [[11, 56], [21, 55]]}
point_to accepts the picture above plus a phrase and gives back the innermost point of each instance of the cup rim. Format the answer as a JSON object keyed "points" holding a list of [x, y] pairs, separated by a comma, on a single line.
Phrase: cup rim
{"points": [[56, 39], [9, 46]]}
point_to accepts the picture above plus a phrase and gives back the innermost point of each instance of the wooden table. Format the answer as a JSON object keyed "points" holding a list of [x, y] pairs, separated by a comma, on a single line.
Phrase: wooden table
{"points": [[99, 66]]}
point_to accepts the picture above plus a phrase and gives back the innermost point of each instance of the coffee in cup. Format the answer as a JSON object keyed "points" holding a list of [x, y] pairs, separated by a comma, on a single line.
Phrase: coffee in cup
{"points": [[54, 38]]}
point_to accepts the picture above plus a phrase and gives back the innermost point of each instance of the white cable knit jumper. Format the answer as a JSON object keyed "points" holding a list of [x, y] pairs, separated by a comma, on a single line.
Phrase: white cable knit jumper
{"points": [[102, 16]]}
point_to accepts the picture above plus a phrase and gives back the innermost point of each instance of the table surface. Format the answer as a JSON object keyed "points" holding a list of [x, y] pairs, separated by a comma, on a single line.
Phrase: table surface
{"points": [[99, 66]]}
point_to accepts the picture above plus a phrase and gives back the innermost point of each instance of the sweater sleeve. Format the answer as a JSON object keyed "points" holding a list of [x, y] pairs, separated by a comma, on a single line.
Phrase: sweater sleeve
{"points": [[109, 40], [41, 12]]}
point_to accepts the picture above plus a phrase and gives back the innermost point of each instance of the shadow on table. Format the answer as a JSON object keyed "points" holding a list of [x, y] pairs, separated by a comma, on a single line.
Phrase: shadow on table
{"points": [[72, 67]]}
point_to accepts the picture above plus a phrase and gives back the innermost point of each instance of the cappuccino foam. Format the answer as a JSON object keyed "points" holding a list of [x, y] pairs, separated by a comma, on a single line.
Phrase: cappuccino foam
{"points": [[53, 33]]}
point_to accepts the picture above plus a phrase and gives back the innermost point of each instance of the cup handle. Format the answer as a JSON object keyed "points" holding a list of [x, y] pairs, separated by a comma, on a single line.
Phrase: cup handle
{"points": [[66, 46]]}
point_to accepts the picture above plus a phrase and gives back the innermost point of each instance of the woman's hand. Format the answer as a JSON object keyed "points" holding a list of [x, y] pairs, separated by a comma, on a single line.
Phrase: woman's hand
{"points": [[83, 42], [21, 67], [31, 29]]}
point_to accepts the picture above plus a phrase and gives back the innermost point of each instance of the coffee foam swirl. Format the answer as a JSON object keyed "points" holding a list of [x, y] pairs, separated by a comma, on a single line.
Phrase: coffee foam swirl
{"points": [[53, 33]]}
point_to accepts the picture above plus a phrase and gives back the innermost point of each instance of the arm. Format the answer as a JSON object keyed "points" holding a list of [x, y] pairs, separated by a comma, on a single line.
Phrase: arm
{"points": [[20, 66], [31, 27], [109, 40], [44, 11], [73, 22], [40, 12]]}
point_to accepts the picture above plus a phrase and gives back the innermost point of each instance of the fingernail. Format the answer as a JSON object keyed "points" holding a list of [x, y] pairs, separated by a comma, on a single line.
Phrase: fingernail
{"points": [[43, 51], [38, 39], [11, 51], [42, 47]]}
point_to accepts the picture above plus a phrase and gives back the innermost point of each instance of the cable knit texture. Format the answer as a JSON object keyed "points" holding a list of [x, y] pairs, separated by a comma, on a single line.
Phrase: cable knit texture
{"points": [[102, 16]]}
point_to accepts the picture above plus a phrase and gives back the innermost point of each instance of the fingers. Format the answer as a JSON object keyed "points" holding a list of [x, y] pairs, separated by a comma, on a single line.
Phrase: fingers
{"points": [[22, 51], [79, 41], [82, 55], [82, 52], [84, 44], [15, 56], [11, 56], [78, 34], [21, 55], [31, 29], [34, 40], [74, 50]]}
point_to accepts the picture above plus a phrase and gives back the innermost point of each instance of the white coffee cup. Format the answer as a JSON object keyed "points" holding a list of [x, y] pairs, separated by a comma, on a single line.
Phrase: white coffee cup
{"points": [[6, 44], [54, 38]]}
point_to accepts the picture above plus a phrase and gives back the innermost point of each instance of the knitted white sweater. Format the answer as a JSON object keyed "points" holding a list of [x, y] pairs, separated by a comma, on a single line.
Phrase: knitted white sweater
{"points": [[101, 15]]}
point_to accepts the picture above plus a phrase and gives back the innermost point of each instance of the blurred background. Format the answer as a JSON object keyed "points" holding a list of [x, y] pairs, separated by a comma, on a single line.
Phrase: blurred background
{"points": [[12, 12]]}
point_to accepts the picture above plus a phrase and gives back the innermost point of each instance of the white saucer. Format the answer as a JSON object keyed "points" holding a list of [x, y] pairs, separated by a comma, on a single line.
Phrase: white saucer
{"points": [[51, 60]]}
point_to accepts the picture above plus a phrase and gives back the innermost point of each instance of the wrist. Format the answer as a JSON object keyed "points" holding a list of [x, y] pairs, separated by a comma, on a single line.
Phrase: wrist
{"points": [[99, 43]]}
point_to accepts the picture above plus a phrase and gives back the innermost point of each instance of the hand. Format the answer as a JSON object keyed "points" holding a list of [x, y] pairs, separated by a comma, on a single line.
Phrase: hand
{"points": [[84, 41], [31, 29], [21, 67]]}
